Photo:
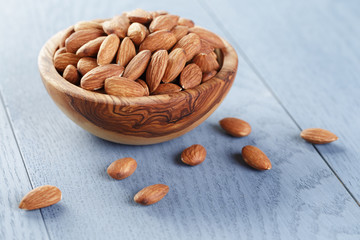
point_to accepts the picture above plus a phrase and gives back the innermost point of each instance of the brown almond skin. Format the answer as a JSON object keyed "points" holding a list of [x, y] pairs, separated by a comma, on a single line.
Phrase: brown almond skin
{"points": [[205, 47], [185, 22], [167, 88], [66, 34], [156, 69], [208, 75], [235, 127], [59, 51], [191, 45], [118, 25], [86, 64], [95, 78], [179, 32], [82, 25], [126, 52], [123, 87], [151, 194], [140, 16], [255, 158], [158, 40], [193, 155], [158, 13], [211, 37], [91, 48], [318, 136], [176, 63], [137, 33], [71, 74], [206, 62], [190, 76], [40, 197], [61, 61], [137, 65], [144, 85], [108, 49], [122, 168], [79, 38], [163, 22]]}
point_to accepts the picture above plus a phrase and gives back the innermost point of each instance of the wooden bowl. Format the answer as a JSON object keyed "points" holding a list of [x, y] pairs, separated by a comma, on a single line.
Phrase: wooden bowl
{"points": [[137, 120]]}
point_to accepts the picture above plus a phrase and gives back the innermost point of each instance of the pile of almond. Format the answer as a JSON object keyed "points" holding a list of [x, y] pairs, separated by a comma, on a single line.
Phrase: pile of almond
{"points": [[138, 53]]}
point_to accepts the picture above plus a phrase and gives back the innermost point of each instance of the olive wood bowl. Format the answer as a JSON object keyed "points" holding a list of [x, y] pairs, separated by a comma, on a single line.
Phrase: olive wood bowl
{"points": [[137, 120]]}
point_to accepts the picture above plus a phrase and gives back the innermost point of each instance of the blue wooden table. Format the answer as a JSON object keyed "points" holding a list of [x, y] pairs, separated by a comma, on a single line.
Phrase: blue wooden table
{"points": [[299, 67]]}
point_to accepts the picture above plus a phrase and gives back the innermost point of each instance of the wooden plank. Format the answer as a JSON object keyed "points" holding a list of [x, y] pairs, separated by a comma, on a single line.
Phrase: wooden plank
{"points": [[299, 198], [14, 183], [308, 54]]}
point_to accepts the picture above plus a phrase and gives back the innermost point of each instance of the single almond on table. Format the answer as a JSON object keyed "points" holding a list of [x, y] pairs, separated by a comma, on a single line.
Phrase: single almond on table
{"points": [[108, 49], [137, 65], [82, 25], [144, 85], [190, 76], [123, 87], [122, 168], [140, 16], [91, 48], [151, 194], [191, 45], [193, 155], [207, 62], [40, 197], [176, 63], [235, 127], [163, 22], [211, 37], [118, 25], [167, 88], [95, 78], [156, 69], [71, 74], [61, 61], [158, 40], [66, 33], [59, 51], [208, 75], [137, 32], [179, 32], [255, 158], [86, 64], [79, 38], [126, 52], [318, 136]]}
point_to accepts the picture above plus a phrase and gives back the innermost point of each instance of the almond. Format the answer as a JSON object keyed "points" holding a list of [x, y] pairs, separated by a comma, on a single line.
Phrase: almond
{"points": [[163, 22], [176, 63], [206, 62], [235, 127], [66, 33], [208, 75], [137, 33], [62, 60], [122, 168], [137, 65], [151, 194], [167, 88], [255, 158], [144, 85], [79, 38], [87, 25], [126, 52], [179, 32], [211, 37], [118, 25], [205, 47], [86, 64], [190, 76], [158, 40], [40, 197], [193, 155], [91, 48], [318, 136], [59, 51], [71, 74], [191, 45], [185, 22], [123, 87], [154, 14], [140, 16], [156, 69], [108, 49], [95, 78]]}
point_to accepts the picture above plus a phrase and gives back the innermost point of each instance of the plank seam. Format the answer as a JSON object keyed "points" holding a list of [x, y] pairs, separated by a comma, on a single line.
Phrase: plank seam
{"points": [[247, 60]]}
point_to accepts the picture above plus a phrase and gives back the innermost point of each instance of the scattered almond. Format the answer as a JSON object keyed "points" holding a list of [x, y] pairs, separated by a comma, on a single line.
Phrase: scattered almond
{"points": [[190, 76], [191, 45], [71, 74], [255, 158], [163, 22], [123, 87], [193, 155], [61, 61], [151, 194], [122, 168], [126, 52], [156, 69], [167, 88], [212, 38], [86, 64], [40, 197], [318, 136], [176, 63], [137, 65], [158, 40], [185, 22], [95, 78], [118, 25], [208, 75], [137, 33], [79, 38], [91, 48], [108, 49], [179, 32], [235, 127], [140, 16]]}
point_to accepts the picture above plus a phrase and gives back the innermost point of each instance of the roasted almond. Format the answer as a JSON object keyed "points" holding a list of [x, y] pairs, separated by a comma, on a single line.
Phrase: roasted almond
{"points": [[163, 22], [156, 69], [123, 87], [190, 76], [151, 194], [185, 22], [86, 64], [82, 25], [211, 37], [126, 52], [208, 75], [91, 48], [137, 65], [179, 32], [71, 74], [60, 51], [144, 85], [158, 40], [79, 38], [140, 16], [206, 62], [95, 78], [191, 45], [118, 25], [167, 88], [122, 168], [193, 155], [137, 32], [66, 33], [206, 47], [40, 197], [235, 127], [176, 63], [255, 158], [108, 49], [61, 61], [318, 136]]}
